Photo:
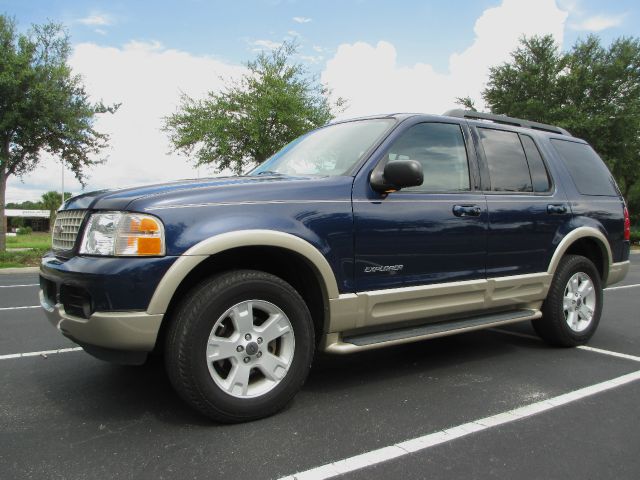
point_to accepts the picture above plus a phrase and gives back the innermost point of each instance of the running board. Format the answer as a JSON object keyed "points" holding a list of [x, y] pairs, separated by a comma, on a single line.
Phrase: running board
{"points": [[368, 341]]}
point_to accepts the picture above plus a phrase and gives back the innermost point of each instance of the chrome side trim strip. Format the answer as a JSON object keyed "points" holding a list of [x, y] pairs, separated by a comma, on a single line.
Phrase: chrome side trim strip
{"points": [[248, 202]]}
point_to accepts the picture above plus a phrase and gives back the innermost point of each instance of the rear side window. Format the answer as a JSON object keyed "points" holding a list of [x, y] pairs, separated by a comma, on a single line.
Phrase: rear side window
{"points": [[588, 171], [539, 175], [440, 149], [507, 163]]}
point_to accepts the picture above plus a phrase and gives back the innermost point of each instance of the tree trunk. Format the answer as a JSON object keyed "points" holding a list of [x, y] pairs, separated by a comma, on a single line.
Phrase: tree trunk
{"points": [[3, 220]]}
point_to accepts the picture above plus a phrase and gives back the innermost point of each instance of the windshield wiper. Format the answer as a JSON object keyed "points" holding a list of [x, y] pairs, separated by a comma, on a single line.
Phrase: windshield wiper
{"points": [[269, 172]]}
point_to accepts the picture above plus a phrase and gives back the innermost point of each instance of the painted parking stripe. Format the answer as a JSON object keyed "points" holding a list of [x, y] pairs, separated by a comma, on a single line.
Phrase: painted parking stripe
{"points": [[20, 308], [609, 352], [407, 447], [621, 287], [17, 286], [587, 348], [41, 353]]}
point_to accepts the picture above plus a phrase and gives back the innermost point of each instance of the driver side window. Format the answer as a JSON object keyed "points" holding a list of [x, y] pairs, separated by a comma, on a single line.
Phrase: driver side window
{"points": [[440, 149]]}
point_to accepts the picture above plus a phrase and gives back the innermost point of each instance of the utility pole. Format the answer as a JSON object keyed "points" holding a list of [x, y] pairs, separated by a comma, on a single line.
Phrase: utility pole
{"points": [[62, 163]]}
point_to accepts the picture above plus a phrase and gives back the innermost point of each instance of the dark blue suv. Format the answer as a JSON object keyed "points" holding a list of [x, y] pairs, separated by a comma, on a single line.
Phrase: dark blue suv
{"points": [[358, 235]]}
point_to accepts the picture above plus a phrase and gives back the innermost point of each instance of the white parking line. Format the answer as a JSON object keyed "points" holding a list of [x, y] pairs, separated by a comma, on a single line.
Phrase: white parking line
{"points": [[384, 454], [16, 286], [609, 352], [622, 287], [20, 308], [36, 354]]}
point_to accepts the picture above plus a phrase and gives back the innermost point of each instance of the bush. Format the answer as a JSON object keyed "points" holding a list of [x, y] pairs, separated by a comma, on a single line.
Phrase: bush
{"points": [[635, 237], [25, 231]]}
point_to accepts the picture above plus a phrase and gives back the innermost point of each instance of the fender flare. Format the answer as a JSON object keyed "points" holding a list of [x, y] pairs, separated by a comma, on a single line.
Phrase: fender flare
{"points": [[575, 235], [227, 241]]}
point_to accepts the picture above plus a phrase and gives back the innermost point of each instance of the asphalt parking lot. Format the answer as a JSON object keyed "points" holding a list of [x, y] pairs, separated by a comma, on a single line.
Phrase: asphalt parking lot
{"points": [[444, 408]]}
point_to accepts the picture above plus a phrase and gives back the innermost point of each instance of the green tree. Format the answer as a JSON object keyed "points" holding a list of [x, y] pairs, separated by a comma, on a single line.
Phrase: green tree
{"points": [[467, 103], [253, 117], [52, 201], [43, 106], [592, 91]]}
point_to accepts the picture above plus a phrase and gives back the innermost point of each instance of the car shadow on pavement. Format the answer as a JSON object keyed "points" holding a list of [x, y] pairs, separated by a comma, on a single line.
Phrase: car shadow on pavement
{"points": [[92, 390]]}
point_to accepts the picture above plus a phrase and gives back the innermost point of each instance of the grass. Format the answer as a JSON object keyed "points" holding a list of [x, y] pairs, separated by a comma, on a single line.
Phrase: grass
{"points": [[27, 258], [39, 240]]}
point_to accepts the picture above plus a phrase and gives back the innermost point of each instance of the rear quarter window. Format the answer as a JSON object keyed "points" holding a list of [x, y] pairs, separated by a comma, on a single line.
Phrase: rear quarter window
{"points": [[589, 173]]}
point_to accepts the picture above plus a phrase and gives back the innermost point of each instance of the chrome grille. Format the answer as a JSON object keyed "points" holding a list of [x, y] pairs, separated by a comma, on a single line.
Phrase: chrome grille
{"points": [[66, 228]]}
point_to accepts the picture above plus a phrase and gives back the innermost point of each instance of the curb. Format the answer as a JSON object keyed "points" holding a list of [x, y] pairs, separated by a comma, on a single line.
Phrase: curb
{"points": [[9, 271]]}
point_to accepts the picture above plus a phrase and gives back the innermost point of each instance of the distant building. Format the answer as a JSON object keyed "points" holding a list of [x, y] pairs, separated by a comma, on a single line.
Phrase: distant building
{"points": [[38, 220]]}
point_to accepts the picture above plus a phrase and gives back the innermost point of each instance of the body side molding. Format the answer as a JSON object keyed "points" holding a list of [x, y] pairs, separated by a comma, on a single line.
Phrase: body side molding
{"points": [[241, 238]]}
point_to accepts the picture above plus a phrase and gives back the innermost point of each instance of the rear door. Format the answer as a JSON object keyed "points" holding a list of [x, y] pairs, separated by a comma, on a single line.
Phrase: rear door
{"points": [[525, 207]]}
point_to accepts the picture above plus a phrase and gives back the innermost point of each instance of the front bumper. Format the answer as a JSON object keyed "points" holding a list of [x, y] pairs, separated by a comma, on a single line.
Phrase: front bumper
{"points": [[123, 331]]}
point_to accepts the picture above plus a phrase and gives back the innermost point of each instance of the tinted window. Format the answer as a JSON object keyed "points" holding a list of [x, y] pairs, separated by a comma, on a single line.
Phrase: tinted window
{"points": [[539, 174], [440, 148], [507, 164], [589, 173]]}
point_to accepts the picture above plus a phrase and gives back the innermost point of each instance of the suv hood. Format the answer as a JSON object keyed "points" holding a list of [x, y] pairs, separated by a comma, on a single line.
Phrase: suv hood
{"points": [[189, 191]]}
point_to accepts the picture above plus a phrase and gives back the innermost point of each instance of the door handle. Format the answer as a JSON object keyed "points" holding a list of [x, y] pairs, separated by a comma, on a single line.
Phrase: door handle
{"points": [[556, 209], [467, 210]]}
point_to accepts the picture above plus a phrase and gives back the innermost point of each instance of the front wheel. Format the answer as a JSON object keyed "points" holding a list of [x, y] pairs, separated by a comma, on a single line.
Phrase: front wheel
{"points": [[240, 346], [572, 309]]}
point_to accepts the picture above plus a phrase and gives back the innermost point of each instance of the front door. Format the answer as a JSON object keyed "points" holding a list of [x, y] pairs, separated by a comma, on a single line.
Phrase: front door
{"points": [[430, 234]]}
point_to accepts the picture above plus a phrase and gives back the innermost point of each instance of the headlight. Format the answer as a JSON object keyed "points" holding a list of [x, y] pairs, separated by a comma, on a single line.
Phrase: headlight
{"points": [[123, 234]]}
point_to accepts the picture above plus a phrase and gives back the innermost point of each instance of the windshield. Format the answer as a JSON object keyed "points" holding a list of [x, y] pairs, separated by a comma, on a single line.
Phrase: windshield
{"points": [[331, 150]]}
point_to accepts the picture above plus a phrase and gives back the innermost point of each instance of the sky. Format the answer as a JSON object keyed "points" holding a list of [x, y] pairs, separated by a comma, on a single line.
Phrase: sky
{"points": [[381, 56]]}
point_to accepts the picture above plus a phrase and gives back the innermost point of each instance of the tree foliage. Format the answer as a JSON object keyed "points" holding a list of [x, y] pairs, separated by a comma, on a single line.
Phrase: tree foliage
{"points": [[253, 117], [51, 201], [43, 106], [593, 91]]}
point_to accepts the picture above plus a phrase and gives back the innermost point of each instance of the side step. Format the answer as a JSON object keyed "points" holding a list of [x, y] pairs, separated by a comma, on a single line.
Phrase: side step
{"points": [[368, 341]]}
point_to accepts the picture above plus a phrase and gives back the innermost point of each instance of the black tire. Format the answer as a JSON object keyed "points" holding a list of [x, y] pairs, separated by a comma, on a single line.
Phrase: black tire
{"points": [[188, 337], [553, 326]]}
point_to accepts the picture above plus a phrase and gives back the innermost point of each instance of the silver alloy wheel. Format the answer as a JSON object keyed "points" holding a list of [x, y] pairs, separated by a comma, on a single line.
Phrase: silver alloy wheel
{"points": [[250, 348], [579, 302]]}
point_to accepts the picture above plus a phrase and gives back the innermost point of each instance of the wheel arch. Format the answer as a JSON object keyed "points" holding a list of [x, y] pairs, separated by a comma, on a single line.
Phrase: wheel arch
{"points": [[588, 242], [291, 258]]}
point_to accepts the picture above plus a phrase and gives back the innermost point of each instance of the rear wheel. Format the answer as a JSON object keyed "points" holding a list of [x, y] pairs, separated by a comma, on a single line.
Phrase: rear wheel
{"points": [[240, 346], [571, 311]]}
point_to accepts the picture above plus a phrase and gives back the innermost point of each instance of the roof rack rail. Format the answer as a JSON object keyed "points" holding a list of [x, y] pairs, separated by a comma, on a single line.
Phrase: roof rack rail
{"points": [[517, 122]]}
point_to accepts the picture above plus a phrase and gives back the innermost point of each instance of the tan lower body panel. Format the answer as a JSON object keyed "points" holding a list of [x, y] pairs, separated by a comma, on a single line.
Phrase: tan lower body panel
{"points": [[131, 331], [388, 307], [617, 272]]}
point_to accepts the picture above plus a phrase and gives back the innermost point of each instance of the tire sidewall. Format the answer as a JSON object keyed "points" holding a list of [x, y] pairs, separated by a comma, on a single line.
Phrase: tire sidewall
{"points": [[222, 296], [570, 267]]}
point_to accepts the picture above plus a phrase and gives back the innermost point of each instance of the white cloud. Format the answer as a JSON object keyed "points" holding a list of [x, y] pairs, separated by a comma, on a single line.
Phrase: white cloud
{"points": [[369, 77], [301, 19], [597, 23], [97, 20], [147, 78], [265, 45]]}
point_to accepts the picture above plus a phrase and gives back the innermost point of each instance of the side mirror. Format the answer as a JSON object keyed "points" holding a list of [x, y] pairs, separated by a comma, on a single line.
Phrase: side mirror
{"points": [[396, 175]]}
